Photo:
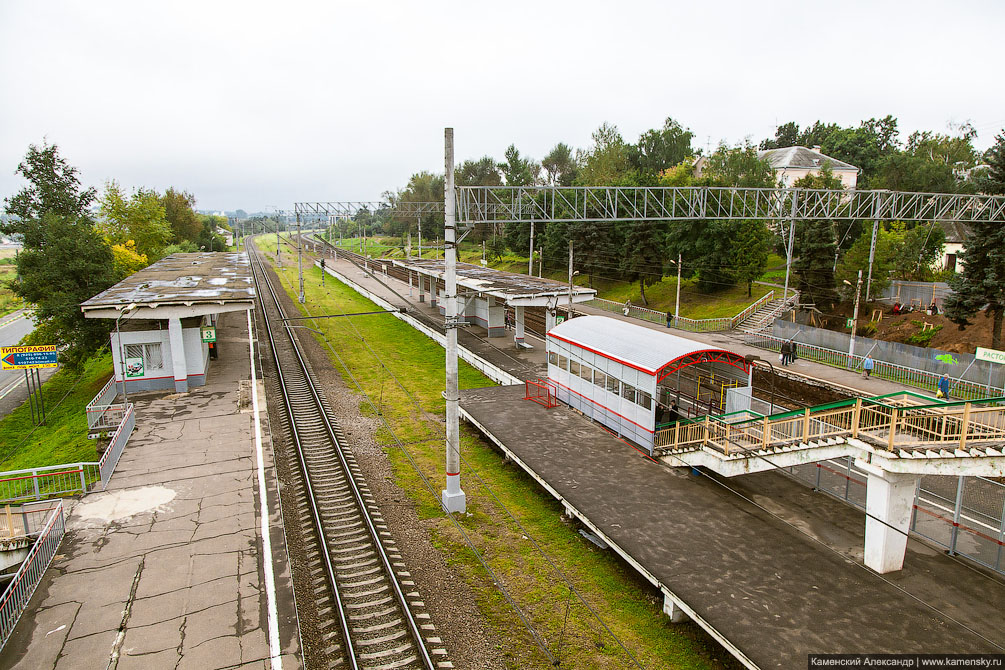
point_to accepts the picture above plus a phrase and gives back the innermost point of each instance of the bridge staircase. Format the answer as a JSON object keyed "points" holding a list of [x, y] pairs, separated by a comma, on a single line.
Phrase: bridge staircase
{"points": [[765, 315]]}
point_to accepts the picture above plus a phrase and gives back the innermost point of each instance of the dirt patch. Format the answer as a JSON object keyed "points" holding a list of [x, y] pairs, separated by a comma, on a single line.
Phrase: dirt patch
{"points": [[902, 327]]}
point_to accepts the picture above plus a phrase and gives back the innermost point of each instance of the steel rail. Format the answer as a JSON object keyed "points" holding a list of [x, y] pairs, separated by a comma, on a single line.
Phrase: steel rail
{"points": [[373, 533]]}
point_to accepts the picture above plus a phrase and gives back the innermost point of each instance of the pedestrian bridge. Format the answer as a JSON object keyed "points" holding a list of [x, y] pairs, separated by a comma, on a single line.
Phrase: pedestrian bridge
{"points": [[895, 438]]}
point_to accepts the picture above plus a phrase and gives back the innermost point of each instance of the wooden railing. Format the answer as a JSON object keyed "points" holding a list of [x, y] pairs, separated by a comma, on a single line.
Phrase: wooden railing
{"points": [[897, 421]]}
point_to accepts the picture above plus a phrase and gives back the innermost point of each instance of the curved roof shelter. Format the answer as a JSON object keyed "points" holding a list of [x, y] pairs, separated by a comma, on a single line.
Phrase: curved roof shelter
{"points": [[644, 349]]}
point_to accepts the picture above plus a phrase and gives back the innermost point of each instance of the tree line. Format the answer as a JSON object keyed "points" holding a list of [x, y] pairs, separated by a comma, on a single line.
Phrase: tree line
{"points": [[77, 243]]}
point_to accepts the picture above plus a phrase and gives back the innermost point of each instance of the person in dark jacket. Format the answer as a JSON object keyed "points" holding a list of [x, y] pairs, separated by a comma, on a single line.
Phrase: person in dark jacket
{"points": [[786, 352]]}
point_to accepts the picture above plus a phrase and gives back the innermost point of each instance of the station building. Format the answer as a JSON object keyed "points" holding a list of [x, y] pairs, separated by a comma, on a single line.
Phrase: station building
{"points": [[165, 317], [622, 375]]}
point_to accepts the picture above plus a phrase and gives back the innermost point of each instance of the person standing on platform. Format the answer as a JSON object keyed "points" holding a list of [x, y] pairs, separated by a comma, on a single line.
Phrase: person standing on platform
{"points": [[786, 351], [943, 387], [868, 365], [792, 351]]}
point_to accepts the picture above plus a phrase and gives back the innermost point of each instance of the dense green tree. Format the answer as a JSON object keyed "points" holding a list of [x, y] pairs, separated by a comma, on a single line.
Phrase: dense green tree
{"points": [[981, 284], [64, 260], [644, 254], [481, 172], [737, 166], [659, 150], [560, 165], [425, 187], [904, 171], [815, 248], [786, 135], [751, 244], [993, 182], [139, 218], [518, 171], [179, 210], [607, 162]]}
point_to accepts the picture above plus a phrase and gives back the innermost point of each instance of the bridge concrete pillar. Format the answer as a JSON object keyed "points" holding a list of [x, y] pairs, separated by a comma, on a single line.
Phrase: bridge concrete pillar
{"points": [[178, 355], [889, 501], [673, 610]]}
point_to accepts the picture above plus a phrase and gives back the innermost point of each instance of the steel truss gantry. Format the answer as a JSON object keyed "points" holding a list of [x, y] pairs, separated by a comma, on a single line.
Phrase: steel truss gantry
{"points": [[350, 208], [512, 204]]}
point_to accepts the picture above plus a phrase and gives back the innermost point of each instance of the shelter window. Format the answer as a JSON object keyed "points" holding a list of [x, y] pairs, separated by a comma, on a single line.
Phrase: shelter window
{"points": [[586, 372], [574, 368], [599, 378], [645, 399], [613, 385], [150, 353], [628, 392], [553, 358], [563, 362]]}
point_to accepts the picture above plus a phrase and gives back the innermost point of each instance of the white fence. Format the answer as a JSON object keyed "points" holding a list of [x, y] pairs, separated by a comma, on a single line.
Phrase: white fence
{"points": [[76, 478], [45, 525]]}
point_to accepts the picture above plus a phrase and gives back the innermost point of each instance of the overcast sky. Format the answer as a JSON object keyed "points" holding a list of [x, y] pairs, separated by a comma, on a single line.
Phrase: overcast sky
{"points": [[255, 105]]}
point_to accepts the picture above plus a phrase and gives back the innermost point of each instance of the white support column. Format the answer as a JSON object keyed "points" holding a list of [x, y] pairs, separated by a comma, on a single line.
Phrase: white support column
{"points": [[178, 355], [452, 496], [889, 501], [518, 336], [549, 319], [422, 296], [673, 610]]}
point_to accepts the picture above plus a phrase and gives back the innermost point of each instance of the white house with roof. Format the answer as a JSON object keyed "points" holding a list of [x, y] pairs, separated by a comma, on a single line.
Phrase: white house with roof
{"points": [[793, 163]]}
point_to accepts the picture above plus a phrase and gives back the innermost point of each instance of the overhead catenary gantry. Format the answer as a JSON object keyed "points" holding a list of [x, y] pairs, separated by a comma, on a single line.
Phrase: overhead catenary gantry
{"points": [[519, 204]]}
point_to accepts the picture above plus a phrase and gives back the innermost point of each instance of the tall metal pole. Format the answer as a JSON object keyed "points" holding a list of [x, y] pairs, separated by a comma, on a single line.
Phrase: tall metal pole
{"points": [[418, 221], [872, 257], [122, 358], [453, 497], [300, 259], [788, 254], [676, 309], [279, 255], [854, 320], [530, 261], [569, 316]]}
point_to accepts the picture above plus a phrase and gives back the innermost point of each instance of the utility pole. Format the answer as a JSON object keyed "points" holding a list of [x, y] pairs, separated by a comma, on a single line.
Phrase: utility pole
{"points": [[854, 320], [530, 261], [540, 262], [453, 497], [569, 316], [676, 309], [279, 255], [877, 211], [300, 259], [788, 253]]}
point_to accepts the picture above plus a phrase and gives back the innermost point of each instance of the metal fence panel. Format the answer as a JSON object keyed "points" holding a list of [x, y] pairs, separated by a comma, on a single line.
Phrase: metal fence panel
{"points": [[26, 579], [917, 293]]}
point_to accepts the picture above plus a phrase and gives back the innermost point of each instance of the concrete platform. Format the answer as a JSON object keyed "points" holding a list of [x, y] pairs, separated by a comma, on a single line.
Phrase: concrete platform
{"points": [[166, 568], [770, 590]]}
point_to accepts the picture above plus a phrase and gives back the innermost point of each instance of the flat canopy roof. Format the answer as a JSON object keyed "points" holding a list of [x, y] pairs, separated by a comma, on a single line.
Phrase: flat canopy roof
{"points": [[645, 349], [211, 279], [515, 289]]}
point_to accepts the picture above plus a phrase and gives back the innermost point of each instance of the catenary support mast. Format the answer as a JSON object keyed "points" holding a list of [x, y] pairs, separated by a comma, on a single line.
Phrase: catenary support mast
{"points": [[454, 499]]}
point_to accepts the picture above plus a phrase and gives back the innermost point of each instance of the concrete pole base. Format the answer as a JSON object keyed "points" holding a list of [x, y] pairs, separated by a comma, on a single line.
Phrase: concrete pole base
{"points": [[454, 501], [889, 504], [673, 610]]}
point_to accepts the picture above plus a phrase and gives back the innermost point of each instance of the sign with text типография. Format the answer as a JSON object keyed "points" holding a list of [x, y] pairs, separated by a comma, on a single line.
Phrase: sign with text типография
{"points": [[990, 355], [23, 358]]}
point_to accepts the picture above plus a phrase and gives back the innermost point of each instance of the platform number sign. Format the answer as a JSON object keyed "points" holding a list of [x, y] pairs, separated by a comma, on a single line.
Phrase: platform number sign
{"points": [[208, 333]]}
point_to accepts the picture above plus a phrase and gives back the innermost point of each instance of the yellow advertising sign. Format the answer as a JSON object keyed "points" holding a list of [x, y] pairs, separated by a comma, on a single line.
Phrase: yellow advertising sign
{"points": [[23, 358]]}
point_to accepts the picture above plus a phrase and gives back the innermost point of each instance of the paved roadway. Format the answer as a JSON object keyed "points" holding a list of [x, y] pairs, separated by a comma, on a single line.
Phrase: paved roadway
{"points": [[13, 391]]}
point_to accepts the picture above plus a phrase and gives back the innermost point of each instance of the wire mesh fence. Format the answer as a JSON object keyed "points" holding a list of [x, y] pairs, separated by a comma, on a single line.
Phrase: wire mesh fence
{"points": [[964, 515]]}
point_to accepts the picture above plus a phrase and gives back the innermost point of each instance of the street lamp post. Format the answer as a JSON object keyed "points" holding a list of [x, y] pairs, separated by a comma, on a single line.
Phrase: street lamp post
{"points": [[122, 359]]}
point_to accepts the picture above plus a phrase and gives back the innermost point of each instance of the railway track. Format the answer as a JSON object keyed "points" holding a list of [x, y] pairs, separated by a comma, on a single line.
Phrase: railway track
{"points": [[368, 611]]}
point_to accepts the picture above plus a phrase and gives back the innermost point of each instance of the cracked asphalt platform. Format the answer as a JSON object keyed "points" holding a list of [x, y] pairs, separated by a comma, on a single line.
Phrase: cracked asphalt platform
{"points": [[165, 569]]}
